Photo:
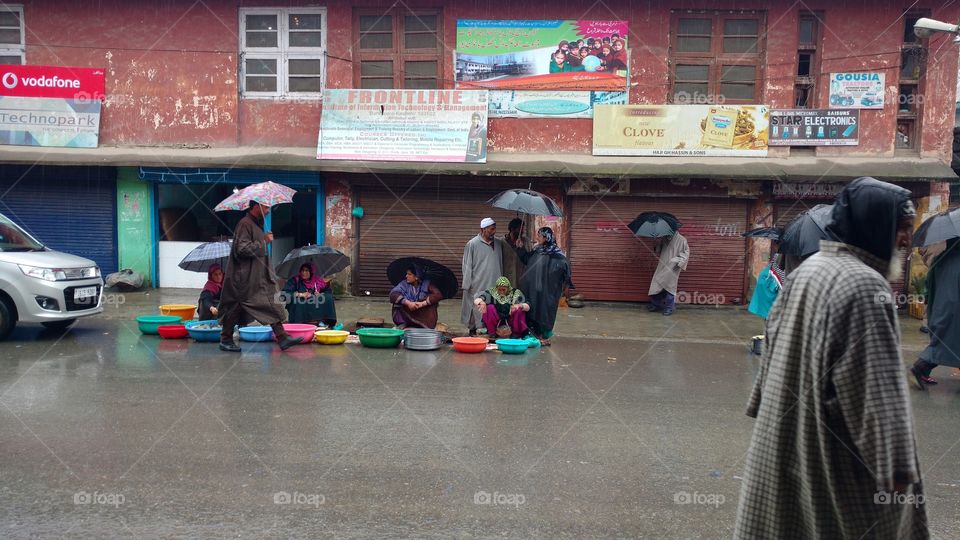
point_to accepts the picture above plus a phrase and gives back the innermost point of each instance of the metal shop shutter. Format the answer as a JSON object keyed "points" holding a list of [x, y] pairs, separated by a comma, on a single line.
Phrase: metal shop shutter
{"points": [[609, 263], [434, 223], [70, 209]]}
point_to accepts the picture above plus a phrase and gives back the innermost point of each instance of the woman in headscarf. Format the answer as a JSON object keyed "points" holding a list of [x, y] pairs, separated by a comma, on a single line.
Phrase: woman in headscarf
{"points": [[209, 303], [309, 298], [415, 301], [546, 276], [503, 305]]}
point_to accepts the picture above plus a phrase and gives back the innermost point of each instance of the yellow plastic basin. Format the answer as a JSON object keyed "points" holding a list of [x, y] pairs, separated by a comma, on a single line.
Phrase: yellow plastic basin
{"points": [[331, 337], [184, 311]]}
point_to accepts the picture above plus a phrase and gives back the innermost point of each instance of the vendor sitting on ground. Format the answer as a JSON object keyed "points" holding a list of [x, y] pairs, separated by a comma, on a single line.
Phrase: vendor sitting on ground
{"points": [[209, 303], [415, 301], [309, 298], [502, 305]]}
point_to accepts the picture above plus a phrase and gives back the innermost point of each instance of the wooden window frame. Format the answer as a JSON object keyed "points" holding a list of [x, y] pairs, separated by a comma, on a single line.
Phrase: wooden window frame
{"points": [[397, 53], [716, 58], [283, 52], [914, 115], [815, 50], [9, 49]]}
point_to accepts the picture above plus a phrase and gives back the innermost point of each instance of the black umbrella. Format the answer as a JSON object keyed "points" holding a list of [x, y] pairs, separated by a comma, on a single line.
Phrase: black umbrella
{"points": [[526, 201], [438, 274], [773, 233], [327, 261], [801, 237], [655, 225], [943, 226], [201, 257]]}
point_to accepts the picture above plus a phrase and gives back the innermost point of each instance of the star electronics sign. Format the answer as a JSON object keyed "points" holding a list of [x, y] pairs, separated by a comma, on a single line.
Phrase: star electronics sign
{"points": [[50, 106]]}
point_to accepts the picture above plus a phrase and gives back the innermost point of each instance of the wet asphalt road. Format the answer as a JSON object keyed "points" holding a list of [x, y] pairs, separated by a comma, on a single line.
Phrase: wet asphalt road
{"points": [[107, 433]]}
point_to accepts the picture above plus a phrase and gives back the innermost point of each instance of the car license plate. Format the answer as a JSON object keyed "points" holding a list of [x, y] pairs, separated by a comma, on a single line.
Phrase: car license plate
{"points": [[83, 293]]}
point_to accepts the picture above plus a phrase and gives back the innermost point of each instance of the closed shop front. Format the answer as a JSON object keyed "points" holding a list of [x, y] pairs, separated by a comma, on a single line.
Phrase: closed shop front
{"points": [[611, 264], [432, 218], [70, 209]]}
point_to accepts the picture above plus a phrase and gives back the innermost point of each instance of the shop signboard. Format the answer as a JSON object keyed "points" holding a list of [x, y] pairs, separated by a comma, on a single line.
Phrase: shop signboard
{"points": [[404, 125], [857, 90], [814, 127], [50, 106], [550, 103], [680, 130], [542, 55]]}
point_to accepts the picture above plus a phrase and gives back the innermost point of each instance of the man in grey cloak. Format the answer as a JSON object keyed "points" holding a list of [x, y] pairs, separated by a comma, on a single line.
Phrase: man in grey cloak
{"points": [[674, 254], [943, 307], [482, 265], [833, 453]]}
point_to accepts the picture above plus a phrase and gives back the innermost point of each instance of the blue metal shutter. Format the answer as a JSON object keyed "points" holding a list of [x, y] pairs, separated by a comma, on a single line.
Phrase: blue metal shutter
{"points": [[70, 209]]}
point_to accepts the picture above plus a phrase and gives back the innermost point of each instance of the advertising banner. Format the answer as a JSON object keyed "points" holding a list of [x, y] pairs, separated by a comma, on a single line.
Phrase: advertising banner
{"points": [[404, 125], [814, 127], [856, 90], [52, 82], [680, 130], [49, 122], [542, 55], [550, 104]]}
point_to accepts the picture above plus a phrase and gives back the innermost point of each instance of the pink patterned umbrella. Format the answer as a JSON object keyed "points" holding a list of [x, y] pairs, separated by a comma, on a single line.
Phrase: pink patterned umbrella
{"points": [[266, 193]]}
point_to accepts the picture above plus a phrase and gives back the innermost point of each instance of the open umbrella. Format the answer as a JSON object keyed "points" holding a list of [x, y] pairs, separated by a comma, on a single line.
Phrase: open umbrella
{"points": [[801, 237], [438, 274], [773, 233], [328, 261], [655, 225], [267, 193], [943, 226], [526, 201], [201, 257]]}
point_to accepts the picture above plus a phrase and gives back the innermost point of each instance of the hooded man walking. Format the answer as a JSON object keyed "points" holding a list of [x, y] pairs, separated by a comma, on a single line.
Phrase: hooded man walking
{"points": [[943, 278], [833, 453], [249, 285], [482, 265]]}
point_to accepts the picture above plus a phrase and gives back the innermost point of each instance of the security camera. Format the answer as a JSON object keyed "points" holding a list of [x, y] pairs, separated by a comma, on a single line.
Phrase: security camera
{"points": [[925, 28]]}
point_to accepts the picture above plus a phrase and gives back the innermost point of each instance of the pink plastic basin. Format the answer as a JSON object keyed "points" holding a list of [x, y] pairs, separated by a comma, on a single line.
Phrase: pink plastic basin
{"points": [[304, 331]]}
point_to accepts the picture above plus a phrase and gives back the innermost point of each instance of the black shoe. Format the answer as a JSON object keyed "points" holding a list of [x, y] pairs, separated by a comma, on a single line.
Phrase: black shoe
{"points": [[289, 341], [667, 312], [651, 308], [472, 332], [917, 378], [229, 346], [924, 330]]}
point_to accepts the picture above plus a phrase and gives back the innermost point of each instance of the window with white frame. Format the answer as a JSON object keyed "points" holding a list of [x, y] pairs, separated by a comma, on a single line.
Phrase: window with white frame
{"points": [[283, 51], [13, 48]]}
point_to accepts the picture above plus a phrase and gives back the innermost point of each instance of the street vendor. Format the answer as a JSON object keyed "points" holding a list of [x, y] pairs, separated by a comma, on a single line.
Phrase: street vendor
{"points": [[309, 298], [209, 303], [415, 301], [502, 305]]}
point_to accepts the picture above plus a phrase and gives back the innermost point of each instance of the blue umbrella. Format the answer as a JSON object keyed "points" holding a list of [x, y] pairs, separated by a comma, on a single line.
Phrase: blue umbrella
{"points": [[202, 256]]}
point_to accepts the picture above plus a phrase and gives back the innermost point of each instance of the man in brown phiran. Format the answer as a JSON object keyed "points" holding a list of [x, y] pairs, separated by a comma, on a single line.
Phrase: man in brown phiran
{"points": [[833, 453]]}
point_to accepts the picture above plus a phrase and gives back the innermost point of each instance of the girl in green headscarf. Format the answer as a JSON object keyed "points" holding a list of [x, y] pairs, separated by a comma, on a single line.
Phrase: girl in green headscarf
{"points": [[503, 304]]}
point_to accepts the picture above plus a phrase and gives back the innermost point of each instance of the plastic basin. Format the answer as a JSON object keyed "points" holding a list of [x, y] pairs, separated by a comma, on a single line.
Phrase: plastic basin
{"points": [[148, 324], [172, 331], [381, 338], [204, 334], [256, 333], [298, 330], [184, 311], [470, 344], [331, 337], [512, 346]]}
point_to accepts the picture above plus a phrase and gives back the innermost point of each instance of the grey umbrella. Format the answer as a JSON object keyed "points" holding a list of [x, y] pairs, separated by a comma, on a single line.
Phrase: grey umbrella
{"points": [[943, 226], [202, 256], [801, 237], [655, 225], [328, 261], [526, 201]]}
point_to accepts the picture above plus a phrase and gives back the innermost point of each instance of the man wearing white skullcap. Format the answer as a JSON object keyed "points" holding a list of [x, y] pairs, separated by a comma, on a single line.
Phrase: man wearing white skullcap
{"points": [[482, 265]]}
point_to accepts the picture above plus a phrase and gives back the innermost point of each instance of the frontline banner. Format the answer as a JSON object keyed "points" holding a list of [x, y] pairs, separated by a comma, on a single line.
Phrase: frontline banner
{"points": [[680, 130], [404, 125], [814, 127], [542, 55]]}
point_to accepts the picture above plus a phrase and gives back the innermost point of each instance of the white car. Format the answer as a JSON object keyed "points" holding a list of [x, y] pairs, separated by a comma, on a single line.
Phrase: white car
{"points": [[39, 285]]}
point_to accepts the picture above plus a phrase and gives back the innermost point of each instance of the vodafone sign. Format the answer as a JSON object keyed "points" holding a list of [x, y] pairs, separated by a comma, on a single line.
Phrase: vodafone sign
{"points": [[83, 84]]}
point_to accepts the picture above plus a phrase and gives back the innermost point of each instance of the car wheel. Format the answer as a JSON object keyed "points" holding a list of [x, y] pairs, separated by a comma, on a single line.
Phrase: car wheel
{"points": [[59, 325], [7, 319]]}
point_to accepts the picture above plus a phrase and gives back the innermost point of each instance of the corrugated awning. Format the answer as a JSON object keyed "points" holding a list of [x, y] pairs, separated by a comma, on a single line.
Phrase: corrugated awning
{"points": [[181, 175], [267, 161]]}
